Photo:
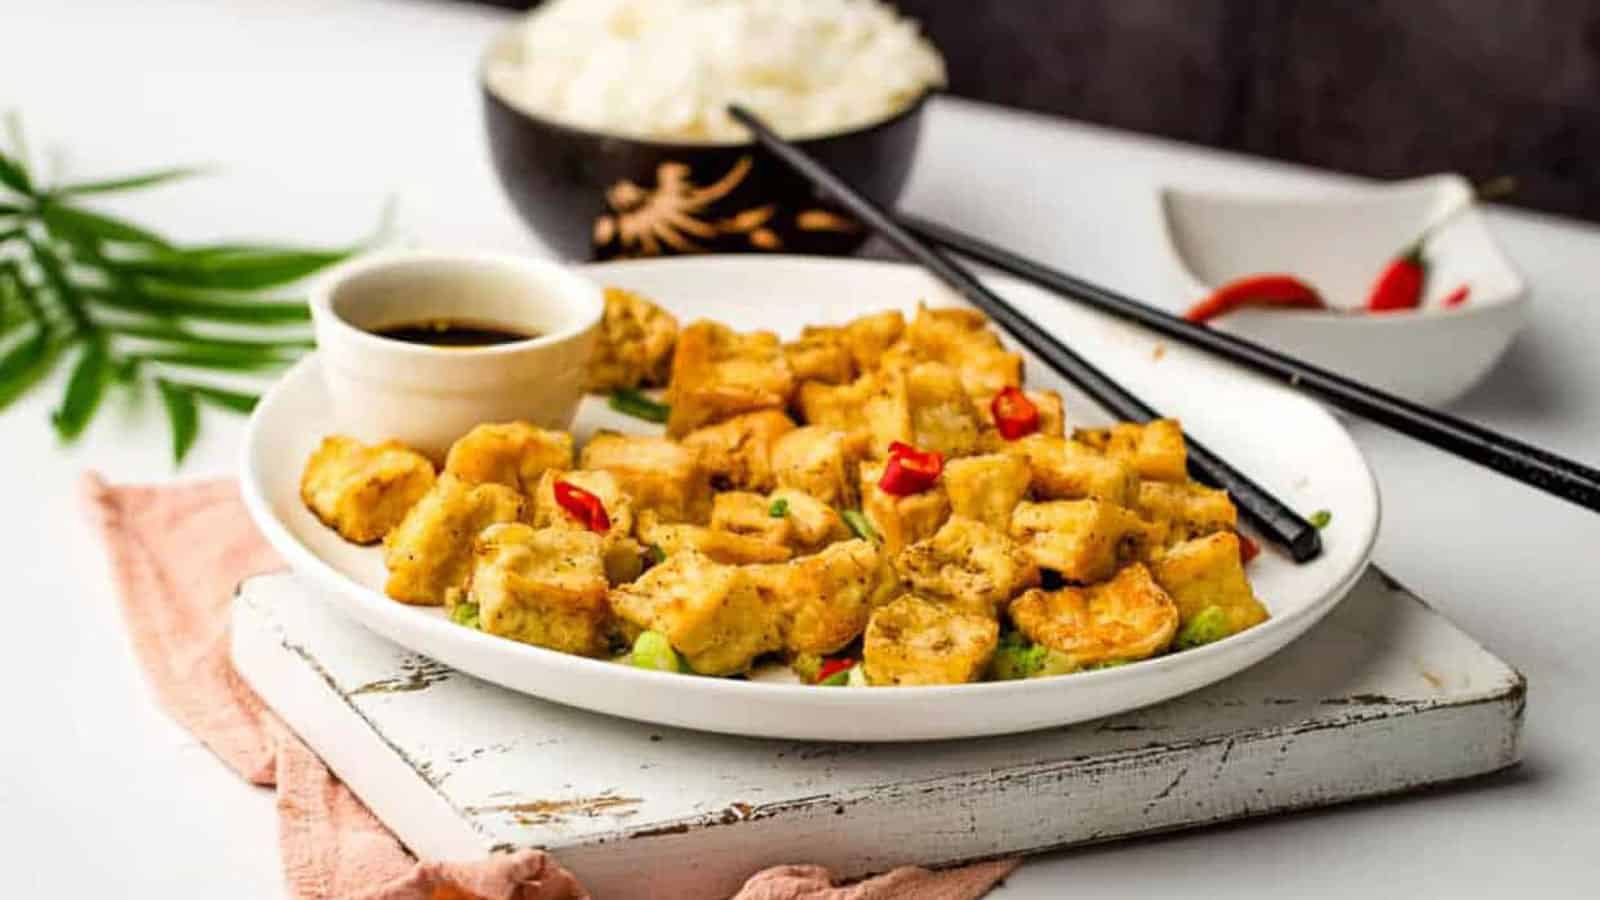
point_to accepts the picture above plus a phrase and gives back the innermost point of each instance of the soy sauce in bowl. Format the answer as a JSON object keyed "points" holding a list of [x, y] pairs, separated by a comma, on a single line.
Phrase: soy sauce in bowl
{"points": [[453, 333]]}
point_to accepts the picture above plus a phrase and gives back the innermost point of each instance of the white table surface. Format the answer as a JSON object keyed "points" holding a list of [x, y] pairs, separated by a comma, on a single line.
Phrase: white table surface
{"points": [[317, 111]]}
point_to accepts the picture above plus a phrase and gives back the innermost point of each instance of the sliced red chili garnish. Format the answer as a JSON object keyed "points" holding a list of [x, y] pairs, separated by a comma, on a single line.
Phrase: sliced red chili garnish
{"points": [[909, 470], [1399, 285], [1283, 291], [1015, 416], [583, 506], [1456, 297], [1248, 549], [832, 667]]}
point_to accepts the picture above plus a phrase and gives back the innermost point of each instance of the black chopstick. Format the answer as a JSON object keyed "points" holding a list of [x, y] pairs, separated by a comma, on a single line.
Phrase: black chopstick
{"points": [[1565, 478], [1268, 515]]}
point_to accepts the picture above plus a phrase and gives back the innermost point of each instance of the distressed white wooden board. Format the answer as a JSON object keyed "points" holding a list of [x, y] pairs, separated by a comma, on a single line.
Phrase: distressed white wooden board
{"points": [[1384, 696]]}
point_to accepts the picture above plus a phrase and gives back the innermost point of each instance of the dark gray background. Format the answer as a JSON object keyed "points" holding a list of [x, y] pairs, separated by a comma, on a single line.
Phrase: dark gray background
{"points": [[1388, 88]]}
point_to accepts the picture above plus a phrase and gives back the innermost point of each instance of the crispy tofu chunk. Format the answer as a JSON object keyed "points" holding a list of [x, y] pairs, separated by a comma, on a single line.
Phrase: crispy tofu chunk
{"points": [[658, 474], [901, 521], [803, 523], [363, 492], [824, 600], [1180, 511], [635, 344], [821, 461], [824, 358], [514, 454], [968, 565], [726, 547], [1066, 470], [1207, 572], [1125, 619], [1084, 540], [912, 641], [431, 551], [545, 587], [711, 613], [749, 514], [623, 556], [866, 337], [959, 338], [987, 488], [923, 405], [737, 453], [1155, 449], [837, 407], [813, 523], [718, 373], [1052, 417]]}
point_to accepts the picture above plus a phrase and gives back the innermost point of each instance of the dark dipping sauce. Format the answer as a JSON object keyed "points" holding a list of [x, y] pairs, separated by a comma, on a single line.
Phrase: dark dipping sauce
{"points": [[453, 333]]}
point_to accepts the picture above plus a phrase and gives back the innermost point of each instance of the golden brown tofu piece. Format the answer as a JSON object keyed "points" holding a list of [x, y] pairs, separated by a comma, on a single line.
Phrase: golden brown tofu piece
{"points": [[515, 454], [912, 641], [837, 407], [821, 461], [737, 453], [959, 338], [866, 337], [1066, 470], [431, 551], [786, 518], [813, 523], [1052, 418], [824, 358], [727, 547], [624, 557], [1155, 449], [968, 565], [545, 587], [1084, 540], [901, 521], [718, 373], [824, 600], [923, 405], [987, 488], [710, 613], [1206, 572], [363, 492], [1125, 619], [658, 474], [1180, 511], [634, 348]]}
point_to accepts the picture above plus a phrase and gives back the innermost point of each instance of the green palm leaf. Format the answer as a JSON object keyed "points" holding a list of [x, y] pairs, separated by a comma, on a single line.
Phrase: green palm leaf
{"points": [[76, 224], [183, 416], [85, 389], [127, 182]]}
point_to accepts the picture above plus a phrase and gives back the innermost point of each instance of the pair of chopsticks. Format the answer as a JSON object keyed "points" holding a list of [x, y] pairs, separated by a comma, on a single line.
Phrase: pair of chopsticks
{"points": [[1281, 525]]}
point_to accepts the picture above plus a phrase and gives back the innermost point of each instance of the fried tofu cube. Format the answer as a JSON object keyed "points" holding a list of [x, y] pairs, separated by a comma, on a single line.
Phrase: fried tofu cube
{"points": [[624, 558], [786, 518], [431, 551], [813, 523], [718, 373], [866, 337], [363, 492], [923, 405], [1127, 618], [515, 454], [825, 600], [746, 513], [726, 547], [1155, 449], [825, 358], [959, 338], [1180, 511], [737, 453], [1052, 417], [912, 641], [820, 461], [1206, 572], [969, 565], [635, 345], [838, 407], [711, 613], [1084, 540], [658, 474], [987, 488], [901, 521], [545, 587], [1066, 470]]}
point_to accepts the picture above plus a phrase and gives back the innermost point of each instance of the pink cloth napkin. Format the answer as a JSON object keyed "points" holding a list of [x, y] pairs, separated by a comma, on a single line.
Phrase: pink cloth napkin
{"points": [[177, 552]]}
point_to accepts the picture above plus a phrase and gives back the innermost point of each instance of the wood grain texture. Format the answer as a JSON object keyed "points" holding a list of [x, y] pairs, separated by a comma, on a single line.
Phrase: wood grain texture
{"points": [[1385, 696]]}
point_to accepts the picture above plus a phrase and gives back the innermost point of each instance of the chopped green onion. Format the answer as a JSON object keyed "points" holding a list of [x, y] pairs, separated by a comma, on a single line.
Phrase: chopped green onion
{"points": [[1207, 626], [652, 650], [840, 678], [465, 614], [1016, 657], [1321, 518], [779, 508], [859, 526], [632, 403], [657, 555]]}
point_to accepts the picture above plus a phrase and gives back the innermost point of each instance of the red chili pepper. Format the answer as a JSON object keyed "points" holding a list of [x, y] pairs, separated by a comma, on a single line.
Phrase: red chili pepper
{"points": [[1248, 549], [1277, 291], [1456, 297], [583, 506], [832, 667], [1399, 285], [909, 470], [1014, 414]]}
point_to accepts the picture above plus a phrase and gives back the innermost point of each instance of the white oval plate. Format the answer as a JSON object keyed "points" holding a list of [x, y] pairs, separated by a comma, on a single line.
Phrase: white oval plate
{"points": [[1286, 442]]}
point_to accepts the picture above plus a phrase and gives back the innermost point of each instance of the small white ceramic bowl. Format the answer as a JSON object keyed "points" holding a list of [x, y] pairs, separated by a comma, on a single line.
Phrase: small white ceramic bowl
{"points": [[1338, 242], [428, 396]]}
